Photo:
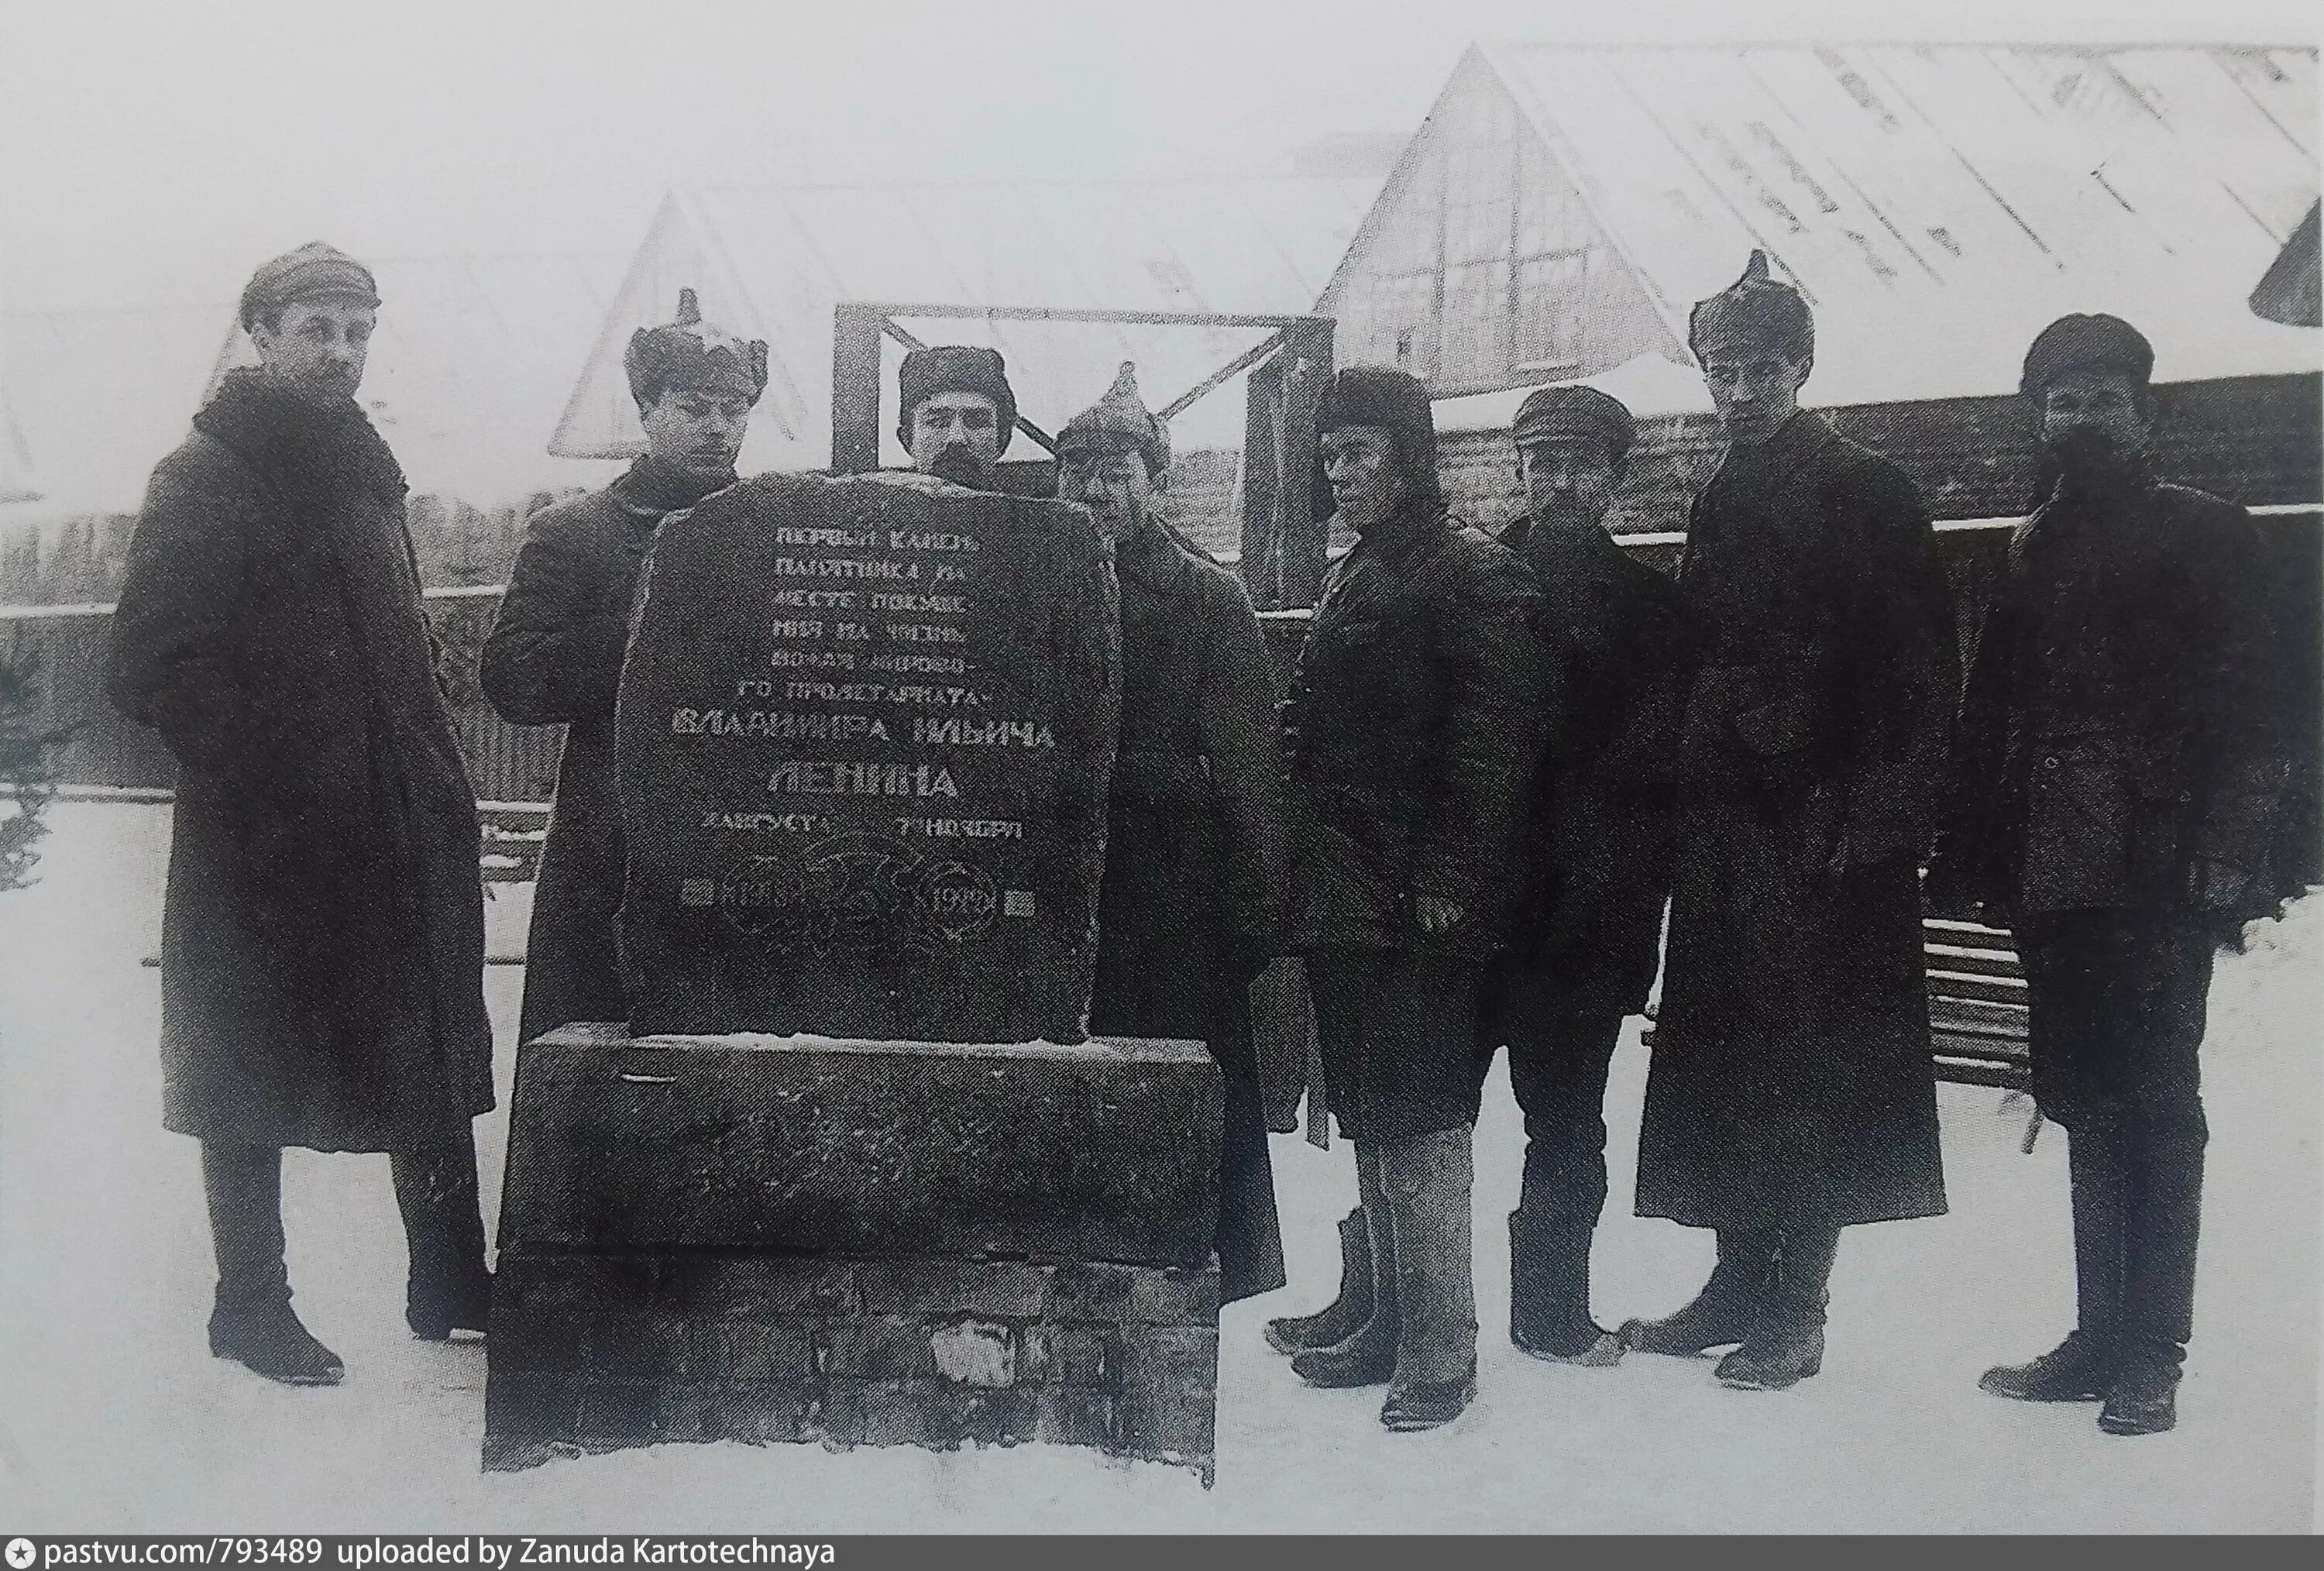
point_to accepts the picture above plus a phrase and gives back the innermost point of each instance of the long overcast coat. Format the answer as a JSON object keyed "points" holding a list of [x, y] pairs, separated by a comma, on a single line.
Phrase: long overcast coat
{"points": [[322, 937], [1194, 858], [555, 658], [1790, 1082]]}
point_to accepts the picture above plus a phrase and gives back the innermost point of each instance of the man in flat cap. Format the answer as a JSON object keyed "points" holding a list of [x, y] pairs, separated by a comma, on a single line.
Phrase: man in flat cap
{"points": [[1192, 897], [1411, 727], [1790, 1095], [2121, 757], [955, 412], [555, 654], [322, 945], [1586, 924]]}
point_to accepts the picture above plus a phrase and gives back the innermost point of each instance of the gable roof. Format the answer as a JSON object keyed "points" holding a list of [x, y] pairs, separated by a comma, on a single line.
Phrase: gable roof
{"points": [[771, 261], [1937, 204]]}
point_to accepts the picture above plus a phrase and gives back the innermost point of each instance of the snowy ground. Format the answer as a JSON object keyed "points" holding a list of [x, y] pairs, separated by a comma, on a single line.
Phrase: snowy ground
{"points": [[115, 1417]]}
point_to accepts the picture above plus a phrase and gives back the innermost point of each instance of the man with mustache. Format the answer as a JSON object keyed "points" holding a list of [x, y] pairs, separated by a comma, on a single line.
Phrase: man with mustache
{"points": [[1586, 927], [555, 653], [1789, 1095], [1192, 891], [2119, 765], [955, 412], [1411, 727], [322, 937]]}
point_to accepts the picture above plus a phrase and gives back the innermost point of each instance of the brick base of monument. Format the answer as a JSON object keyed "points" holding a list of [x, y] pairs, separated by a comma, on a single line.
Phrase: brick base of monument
{"points": [[860, 1244], [593, 1351]]}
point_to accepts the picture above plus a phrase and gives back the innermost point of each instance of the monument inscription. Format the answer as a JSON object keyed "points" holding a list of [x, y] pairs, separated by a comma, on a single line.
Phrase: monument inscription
{"points": [[865, 730]]}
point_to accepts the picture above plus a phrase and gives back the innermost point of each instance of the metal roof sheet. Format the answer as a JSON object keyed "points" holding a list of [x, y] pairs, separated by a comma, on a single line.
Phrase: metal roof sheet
{"points": [[1939, 204], [772, 261]]}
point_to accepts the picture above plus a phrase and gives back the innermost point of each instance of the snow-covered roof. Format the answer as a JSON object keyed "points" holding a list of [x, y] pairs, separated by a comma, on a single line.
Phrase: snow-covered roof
{"points": [[771, 261], [472, 362], [1939, 204]]}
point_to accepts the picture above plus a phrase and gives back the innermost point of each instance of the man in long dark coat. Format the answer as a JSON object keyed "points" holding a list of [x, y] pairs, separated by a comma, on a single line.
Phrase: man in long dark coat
{"points": [[1791, 1093], [555, 653], [2121, 758], [1412, 723], [1190, 902], [1586, 927], [322, 937]]}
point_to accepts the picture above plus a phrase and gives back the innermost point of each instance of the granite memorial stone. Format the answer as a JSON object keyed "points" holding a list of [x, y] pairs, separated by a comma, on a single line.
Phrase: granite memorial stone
{"points": [[864, 734]]}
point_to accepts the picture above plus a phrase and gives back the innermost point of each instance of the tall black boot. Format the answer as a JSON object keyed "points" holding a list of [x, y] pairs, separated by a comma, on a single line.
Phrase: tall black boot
{"points": [[1343, 1315], [2081, 1368], [1549, 1294], [1786, 1346], [1366, 1355], [448, 1287], [1727, 1309], [1428, 1180], [251, 1318], [2158, 1301]]}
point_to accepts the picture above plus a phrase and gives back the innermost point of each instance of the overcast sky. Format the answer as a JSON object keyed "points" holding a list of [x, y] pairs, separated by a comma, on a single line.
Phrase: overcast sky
{"points": [[158, 151]]}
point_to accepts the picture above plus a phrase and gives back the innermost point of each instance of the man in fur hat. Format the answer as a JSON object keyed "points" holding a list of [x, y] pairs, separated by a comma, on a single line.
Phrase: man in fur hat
{"points": [[2121, 758], [1413, 720], [955, 412], [555, 654], [1586, 927], [1789, 1095], [1192, 897], [322, 937]]}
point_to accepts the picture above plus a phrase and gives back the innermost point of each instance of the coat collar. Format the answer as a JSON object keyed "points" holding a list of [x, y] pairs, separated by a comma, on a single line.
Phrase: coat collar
{"points": [[1774, 461]]}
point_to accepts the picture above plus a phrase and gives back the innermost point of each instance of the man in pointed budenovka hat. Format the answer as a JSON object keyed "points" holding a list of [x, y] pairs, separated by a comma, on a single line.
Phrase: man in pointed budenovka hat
{"points": [[2121, 758], [1192, 891], [322, 937], [1789, 1095], [555, 653], [1586, 923]]}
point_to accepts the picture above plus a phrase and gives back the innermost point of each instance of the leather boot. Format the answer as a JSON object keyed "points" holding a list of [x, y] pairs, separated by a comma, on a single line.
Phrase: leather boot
{"points": [[1428, 1181], [1727, 1309], [1786, 1346], [1366, 1355], [2077, 1370], [1343, 1315], [1549, 1295], [251, 1318], [2144, 1397], [448, 1287]]}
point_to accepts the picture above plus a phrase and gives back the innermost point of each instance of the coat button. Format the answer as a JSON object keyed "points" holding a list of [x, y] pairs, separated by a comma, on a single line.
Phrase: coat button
{"points": [[2049, 764]]}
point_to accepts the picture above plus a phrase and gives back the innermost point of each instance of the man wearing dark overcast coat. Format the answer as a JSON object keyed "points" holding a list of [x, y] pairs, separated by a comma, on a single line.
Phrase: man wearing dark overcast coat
{"points": [[322, 936], [1789, 1095], [1585, 929], [2120, 763], [555, 653], [1411, 727], [1192, 891]]}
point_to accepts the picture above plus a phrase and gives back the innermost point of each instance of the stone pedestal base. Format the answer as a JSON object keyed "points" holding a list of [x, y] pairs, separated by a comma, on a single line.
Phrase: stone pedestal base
{"points": [[758, 1239], [593, 1351]]}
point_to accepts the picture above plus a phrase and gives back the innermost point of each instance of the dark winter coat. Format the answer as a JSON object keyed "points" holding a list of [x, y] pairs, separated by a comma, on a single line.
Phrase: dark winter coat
{"points": [[555, 658], [322, 937], [1791, 1082], [1192, 891], [1411, 729], [2125, 710], [1593, 849]]}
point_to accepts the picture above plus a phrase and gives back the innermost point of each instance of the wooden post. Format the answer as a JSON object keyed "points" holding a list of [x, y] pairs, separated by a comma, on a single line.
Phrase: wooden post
{"points": [[1301, 534], [855, 388], [1262, 407]]}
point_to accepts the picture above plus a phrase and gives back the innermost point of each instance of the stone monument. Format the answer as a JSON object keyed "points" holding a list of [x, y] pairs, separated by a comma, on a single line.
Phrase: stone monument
{"points": [[852, 1172]]}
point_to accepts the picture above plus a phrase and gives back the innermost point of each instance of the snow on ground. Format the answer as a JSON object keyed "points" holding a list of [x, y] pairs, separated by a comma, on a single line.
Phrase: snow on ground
{"points": [[115, 1417]]}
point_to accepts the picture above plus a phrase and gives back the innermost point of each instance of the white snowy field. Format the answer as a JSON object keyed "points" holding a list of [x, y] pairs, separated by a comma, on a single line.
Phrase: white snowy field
{"points": [[116, 1418]]}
